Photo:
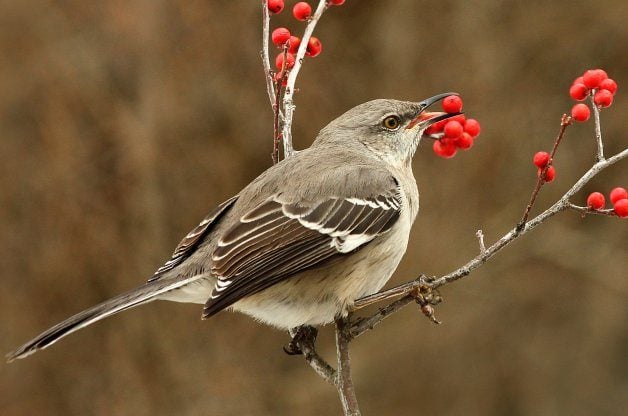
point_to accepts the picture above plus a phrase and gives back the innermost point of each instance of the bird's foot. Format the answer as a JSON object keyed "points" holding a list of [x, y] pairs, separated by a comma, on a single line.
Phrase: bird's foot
{"points": [[303, 338], [427, 298]]}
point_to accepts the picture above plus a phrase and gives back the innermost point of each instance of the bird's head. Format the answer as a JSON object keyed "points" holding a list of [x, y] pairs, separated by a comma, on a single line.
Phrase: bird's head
{"points": [[390, 129]]}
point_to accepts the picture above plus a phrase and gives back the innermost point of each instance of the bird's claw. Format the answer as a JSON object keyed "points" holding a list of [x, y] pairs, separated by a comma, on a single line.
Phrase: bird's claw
{"points": [[304, 338], [427, 297]]}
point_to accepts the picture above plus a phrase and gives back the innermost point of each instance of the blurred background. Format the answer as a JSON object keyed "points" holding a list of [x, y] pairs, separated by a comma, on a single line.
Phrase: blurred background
{"points": [[123, 123]]}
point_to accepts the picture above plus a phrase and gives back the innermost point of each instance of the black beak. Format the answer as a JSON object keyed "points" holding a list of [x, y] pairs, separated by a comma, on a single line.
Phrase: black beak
{"points": [[425, 119]]}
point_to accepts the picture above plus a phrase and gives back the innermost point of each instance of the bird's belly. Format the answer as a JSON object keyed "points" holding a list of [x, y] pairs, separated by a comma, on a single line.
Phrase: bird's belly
{"points": [[317, 297]]}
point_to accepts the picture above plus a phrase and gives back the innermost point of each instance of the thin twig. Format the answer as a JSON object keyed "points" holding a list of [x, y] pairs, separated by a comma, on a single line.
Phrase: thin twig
{"points": [[480, 235], [564, 122], [344, 382], [268, 73], [598, 129], [588, 211], [288, 105], [279, 81]]}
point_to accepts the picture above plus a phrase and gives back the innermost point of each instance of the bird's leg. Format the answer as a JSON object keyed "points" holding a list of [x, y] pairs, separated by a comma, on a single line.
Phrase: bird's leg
{"points": [[303, 339], [407, 288]]}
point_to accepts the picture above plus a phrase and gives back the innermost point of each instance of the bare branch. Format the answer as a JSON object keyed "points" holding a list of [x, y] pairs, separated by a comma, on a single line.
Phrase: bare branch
{"points": [[598, 129], [480, 235], [279, 81], [268, 73], [344, 381], [588, 211], [288, 105]]}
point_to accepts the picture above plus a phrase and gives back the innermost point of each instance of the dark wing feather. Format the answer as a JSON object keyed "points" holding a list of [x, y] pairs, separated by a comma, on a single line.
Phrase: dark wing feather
{"points": [[276, 240], [193, 238]]}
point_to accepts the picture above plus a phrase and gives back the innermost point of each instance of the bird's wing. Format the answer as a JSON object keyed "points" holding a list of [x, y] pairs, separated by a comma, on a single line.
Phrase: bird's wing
{"points": [[276, 239], [189, 243]]}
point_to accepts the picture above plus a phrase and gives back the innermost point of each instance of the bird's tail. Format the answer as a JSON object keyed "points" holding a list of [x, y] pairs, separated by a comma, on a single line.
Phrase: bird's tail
{"points": [[138, 296]]}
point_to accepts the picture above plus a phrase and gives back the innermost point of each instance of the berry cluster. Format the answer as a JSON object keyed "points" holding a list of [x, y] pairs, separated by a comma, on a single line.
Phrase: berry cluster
{"points": [[594, 83], [282, 38], [542, 160], [618, 197], [457, 132]]}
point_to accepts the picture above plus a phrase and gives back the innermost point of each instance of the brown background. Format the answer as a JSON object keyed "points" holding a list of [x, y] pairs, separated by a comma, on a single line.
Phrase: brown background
{"points": [[124, 122]]}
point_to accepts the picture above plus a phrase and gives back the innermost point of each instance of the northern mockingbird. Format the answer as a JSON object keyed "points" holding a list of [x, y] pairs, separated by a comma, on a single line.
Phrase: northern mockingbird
{"points": [[306, 238]]}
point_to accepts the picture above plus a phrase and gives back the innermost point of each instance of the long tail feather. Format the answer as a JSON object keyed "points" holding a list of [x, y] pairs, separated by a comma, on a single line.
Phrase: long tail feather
{"points": [[135, 297]]}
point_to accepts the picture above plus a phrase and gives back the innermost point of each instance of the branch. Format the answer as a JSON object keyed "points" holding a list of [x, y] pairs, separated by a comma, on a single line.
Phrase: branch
{"points": [[344, 382], [562, 204], [598, 129], [588, 211], [565, 121], [279, 81], [288, 105], [318, 364], [268, 73]]}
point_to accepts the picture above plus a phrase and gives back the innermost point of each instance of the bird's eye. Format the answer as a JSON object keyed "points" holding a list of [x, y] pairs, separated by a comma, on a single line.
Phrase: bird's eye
{"points": [[391, 122]]}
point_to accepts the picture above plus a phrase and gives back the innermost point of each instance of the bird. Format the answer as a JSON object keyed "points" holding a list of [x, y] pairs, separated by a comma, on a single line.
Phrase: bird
{"points": [[306, 238]]}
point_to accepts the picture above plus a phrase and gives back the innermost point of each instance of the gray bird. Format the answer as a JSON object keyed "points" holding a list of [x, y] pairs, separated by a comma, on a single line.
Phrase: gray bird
{"points": [[306, 238]]}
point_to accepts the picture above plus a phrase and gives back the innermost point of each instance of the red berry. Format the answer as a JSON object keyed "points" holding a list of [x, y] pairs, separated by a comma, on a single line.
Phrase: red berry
{"points": [[452, 129], [592, 78], [596, 201], [541, 159], [578, 91], [549, 175], [275, 6], [302, 11], [460, 118], [295, 42], [621, 208], [452, 104], [314, 47], [433, 129], [436, 127], [336, 2], [465, 141], [601, 73], [289, 61], [609, 84], [617, 194], [578, 80], [603, 98], [444, 149], [472, 126], [280, 36], [580, 112]]}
